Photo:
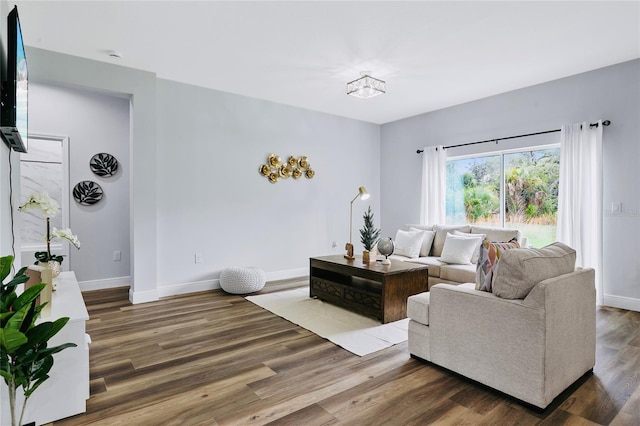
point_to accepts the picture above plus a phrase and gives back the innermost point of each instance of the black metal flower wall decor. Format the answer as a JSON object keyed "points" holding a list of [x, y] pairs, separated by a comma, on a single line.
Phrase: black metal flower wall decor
{"points": [[104, 165], [87, 193]]}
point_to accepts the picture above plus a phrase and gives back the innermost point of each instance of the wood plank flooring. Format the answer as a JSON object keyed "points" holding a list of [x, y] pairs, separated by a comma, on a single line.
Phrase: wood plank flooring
{"points": [[215, 359]]}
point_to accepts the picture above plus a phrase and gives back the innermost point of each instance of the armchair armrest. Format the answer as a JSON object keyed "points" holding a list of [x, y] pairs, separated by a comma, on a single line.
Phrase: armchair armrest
{"points": [[569, 303]]}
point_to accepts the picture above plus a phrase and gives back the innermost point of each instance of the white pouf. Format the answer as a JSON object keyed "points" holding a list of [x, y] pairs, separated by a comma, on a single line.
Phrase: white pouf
{"points": [[242, 280]]}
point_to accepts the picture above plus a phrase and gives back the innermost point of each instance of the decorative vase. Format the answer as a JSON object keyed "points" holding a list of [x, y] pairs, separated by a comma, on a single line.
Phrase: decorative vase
{"points": [[365, 256], [55, 268], [53, 265]]}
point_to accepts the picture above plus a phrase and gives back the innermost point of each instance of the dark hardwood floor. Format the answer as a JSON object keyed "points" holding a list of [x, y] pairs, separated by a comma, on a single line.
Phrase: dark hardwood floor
{"points": [[213, 358]]}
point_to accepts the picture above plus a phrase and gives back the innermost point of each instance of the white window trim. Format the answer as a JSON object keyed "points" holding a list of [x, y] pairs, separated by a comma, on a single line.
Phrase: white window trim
{"points": [[501, 153]]}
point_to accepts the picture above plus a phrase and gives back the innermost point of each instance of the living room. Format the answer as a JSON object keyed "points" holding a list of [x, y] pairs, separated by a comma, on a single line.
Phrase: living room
{"points": [[380, 157], [190, 182]]}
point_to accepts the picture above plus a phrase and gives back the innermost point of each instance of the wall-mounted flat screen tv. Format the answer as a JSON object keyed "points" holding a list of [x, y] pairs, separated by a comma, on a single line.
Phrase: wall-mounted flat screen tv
{"points": [[14, 126]]}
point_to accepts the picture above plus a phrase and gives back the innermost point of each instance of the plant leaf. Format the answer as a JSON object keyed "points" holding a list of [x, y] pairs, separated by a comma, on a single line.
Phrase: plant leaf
{"points": [[28, 296], [5, 266], [11, 340], [46, 330]]}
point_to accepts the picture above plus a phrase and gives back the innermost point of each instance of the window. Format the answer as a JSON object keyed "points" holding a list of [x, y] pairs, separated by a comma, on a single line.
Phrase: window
{"points": [[509, 189]]}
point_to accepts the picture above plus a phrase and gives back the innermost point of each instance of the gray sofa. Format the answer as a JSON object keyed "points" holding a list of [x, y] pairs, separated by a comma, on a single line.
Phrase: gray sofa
{"points": [[532, 347], [442, 272]]}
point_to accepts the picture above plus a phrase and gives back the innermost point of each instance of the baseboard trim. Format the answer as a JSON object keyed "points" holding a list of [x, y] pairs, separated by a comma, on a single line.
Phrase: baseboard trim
{"points": [[287, 274], [621, 302], [191, 287], [178, 289], [207, 285], [105, 283], [136, 297]]}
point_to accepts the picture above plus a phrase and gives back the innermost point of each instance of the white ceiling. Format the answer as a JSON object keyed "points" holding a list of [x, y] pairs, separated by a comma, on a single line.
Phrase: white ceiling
{"points": [[431, 54]]}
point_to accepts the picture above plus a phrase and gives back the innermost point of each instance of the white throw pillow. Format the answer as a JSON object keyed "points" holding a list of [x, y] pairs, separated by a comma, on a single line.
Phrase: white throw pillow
{"points": [[458, 250], [479, 237], [427, 241], [408, 243]]}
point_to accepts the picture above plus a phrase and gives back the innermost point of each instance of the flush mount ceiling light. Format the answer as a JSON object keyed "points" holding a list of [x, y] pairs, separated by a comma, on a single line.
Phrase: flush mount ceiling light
{"points": [[366, 86]]}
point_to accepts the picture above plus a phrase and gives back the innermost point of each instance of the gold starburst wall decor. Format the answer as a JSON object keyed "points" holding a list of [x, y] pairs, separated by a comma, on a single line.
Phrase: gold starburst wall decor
{"points": [[294, 167]]}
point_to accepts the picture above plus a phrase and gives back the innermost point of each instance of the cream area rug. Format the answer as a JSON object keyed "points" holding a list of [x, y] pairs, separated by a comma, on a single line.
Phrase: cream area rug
{"points": [[355, 333]]}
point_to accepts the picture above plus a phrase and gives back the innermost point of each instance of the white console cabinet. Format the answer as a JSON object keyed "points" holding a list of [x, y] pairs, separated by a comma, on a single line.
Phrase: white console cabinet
{"points": [[67, 390]]}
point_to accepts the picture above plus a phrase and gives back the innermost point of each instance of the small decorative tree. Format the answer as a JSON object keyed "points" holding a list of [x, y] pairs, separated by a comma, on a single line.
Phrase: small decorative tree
{"points": [[369, 234], [25, 359]]}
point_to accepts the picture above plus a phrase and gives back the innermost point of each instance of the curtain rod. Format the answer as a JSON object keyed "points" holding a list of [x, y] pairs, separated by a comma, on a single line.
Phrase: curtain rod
{"points": [[604, 123]]}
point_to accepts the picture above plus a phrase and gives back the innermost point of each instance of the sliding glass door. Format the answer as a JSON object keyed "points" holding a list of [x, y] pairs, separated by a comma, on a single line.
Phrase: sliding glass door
{"points": [[509, 189]]}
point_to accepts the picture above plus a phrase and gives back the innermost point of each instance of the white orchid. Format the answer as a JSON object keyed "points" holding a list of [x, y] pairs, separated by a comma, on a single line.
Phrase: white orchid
{"points": [[67, 235], [42, 201], [49, 208]]}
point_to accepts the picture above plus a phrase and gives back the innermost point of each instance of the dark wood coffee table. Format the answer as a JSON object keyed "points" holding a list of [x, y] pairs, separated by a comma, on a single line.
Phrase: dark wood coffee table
{"points": [[371, 289]]}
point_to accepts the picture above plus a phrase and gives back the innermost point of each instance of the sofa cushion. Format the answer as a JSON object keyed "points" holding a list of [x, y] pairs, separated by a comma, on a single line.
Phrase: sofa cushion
{"points": [[418, 307], [420, 227], [427, 241], [441, 236], [490, 253], [433, 262], [458, 250], [519, 270], [408, 243], [458, 273], [500, 235], [479, 237]]}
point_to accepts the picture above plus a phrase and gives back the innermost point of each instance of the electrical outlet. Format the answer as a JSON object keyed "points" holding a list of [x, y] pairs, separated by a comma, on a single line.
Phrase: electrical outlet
{"points": [[117, 255], [616, 207], [334, 244], [198, 258]]}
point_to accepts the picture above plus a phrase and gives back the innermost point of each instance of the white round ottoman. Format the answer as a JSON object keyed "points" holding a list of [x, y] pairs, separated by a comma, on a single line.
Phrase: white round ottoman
{"points": [[242, 280]]}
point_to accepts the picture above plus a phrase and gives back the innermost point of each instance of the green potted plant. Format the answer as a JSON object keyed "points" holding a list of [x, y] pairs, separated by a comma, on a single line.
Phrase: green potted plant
{"points": [[25, 358], [368, 235]]}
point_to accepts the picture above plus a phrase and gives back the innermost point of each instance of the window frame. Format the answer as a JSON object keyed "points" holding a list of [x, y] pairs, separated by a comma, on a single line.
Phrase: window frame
{"points": [[501, 153]]}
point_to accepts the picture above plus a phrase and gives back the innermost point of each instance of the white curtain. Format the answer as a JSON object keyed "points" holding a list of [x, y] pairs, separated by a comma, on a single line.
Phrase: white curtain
{"points": [[434, 176], [580, 196]]}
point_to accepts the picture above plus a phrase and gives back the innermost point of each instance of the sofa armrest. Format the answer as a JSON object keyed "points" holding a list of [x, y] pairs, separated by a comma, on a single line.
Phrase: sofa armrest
{"points": [[464, 320], [486, 338], [569, 302]]}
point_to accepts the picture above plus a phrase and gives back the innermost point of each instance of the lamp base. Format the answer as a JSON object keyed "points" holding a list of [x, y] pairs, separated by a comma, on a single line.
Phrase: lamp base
{"points": [[349, 248]]}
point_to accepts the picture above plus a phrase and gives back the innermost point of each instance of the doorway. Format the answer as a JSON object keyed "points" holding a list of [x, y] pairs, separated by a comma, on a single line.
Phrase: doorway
{"points": [[45, 168]]}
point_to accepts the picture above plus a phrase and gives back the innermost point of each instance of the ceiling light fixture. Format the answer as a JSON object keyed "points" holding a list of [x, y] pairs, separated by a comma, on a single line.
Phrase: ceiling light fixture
{"points": [[366, 86]]}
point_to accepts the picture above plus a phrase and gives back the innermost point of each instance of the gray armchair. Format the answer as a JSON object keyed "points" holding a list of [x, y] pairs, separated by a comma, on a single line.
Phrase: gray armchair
{"points": [[531, 348]]}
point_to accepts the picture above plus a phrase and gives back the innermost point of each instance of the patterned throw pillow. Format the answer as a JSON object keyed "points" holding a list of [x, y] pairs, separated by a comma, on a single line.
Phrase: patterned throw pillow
{"points": [[490, 253]]}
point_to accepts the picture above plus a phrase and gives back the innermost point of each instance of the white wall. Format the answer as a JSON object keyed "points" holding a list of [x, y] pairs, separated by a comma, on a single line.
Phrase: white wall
{"points": [[9, 185], [202, 191], [50, 68], [213, 201], [94, 123], [209, 144], [611, 93]]}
